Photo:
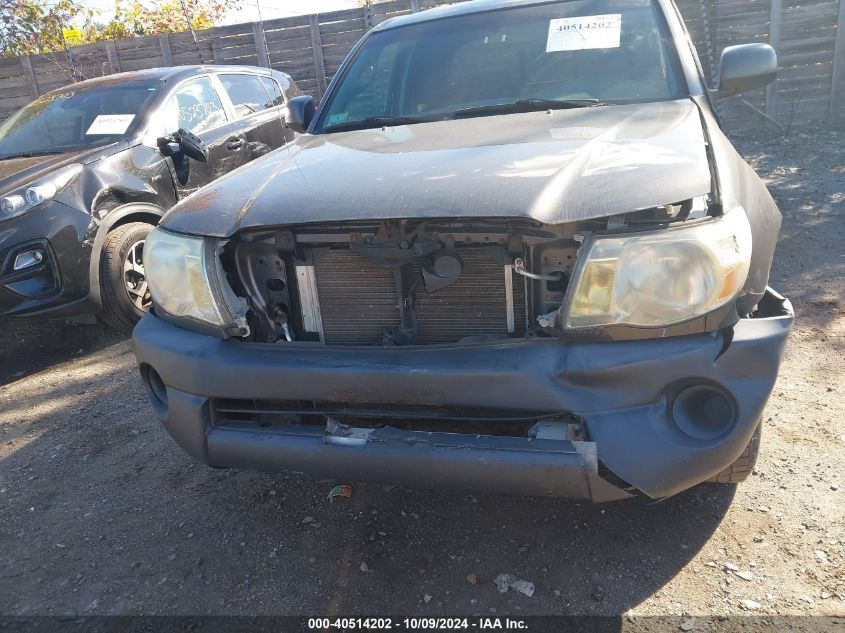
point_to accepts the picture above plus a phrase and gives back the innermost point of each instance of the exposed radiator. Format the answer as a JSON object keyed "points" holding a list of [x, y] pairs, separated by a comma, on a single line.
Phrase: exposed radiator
{"points": [[358, 300]]}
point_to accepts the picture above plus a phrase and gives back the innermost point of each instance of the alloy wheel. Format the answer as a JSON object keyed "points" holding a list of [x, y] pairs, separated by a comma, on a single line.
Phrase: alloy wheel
{"points": [[135, 278]]}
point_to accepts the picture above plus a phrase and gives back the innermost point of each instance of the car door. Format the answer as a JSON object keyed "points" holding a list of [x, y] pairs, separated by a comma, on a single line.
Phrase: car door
{"points": [[196, 106], [258, 106]]}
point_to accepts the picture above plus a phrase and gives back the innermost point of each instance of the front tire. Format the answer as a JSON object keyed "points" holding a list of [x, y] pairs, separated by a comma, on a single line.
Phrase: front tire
{"points": [[125, 293], [739, 471]]}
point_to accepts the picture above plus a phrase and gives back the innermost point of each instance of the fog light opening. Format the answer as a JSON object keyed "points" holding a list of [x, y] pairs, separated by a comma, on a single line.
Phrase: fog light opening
{"points": [[156, 390], [704, 412]]}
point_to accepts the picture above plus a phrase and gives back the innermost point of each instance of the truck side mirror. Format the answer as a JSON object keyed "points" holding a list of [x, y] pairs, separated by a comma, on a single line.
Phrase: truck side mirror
{"points": [[299, 112], [746, 67]]}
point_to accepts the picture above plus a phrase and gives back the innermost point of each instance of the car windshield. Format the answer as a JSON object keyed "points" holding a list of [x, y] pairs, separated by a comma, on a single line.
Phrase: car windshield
{"points": [[75, 118], [577, 53]]}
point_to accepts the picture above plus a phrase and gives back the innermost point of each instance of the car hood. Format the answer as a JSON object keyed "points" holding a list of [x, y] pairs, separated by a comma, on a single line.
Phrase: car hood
{"points": [[554, 167], [18, 172]]}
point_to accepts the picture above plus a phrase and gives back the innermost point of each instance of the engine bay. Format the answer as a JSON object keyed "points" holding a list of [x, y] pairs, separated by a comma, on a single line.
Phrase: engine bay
{"points": [[403, 282]]}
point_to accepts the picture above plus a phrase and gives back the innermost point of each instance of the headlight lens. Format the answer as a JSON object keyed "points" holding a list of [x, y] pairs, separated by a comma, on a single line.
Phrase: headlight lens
{"points": [[27, 198], [177, 270], [661, 279]]}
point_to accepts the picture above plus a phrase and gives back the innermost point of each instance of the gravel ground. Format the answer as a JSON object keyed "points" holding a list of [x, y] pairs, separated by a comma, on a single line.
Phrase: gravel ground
{"points": [[101, 513]]}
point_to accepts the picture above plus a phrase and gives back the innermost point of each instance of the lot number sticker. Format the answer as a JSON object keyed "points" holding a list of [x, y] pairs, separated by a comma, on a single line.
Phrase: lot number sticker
{"points": [[110, 124], [586, 32]]}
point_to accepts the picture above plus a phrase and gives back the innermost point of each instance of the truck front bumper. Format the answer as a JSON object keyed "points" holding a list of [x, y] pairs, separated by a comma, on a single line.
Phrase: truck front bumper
{"points": [[659, 415]]}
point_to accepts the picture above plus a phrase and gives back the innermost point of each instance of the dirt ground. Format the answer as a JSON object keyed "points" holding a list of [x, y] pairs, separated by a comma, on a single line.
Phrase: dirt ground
{"points": [[101, 513]]}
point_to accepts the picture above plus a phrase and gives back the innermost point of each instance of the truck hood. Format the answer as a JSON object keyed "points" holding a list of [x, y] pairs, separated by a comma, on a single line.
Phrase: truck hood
{"points": [[554, 167]]}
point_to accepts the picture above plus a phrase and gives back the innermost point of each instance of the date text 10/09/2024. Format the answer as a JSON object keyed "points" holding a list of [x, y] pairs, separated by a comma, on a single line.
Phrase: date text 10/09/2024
{"points": [[416, 624]]}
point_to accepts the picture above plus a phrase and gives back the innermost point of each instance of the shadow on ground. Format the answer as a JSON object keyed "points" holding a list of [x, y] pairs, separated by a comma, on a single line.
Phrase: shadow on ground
{"points": [[30, 346]]}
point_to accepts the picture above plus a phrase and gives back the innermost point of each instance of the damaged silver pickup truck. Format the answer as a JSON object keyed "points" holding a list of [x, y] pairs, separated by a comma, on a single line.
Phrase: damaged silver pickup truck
{"points": [[511, 250]]}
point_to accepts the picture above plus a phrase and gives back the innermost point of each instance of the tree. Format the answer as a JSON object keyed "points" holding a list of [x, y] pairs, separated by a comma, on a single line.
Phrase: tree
{"points": [[34, 26], [167, 16]]}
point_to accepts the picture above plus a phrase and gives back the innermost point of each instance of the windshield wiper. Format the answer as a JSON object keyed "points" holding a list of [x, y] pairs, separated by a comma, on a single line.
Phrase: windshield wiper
{"points": [[29, 154], [376, 121], [528, 105]]}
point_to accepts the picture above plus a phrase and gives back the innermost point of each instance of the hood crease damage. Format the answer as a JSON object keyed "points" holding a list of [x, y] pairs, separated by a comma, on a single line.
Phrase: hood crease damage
{"points": [[553, 167]]}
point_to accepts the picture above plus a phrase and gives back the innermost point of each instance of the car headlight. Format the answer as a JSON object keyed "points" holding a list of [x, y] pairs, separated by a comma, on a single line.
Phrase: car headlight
{"points": [[660, 279], [38, 192], [186, 280]]}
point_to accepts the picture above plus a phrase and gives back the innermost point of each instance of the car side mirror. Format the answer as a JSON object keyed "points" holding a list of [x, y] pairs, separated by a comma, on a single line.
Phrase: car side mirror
{"points": [[192, 146], [299, 112], [183, 142], [168, 145], [746, 67]]}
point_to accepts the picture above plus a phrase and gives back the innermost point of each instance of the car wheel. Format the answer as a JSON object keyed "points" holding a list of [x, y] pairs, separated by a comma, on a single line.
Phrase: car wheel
{"points": [[126, 295], [739, 471]]}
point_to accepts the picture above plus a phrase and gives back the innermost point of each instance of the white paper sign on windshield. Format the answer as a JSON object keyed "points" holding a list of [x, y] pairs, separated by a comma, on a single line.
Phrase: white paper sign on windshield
{"points": [[585, 32], [110, 124]]}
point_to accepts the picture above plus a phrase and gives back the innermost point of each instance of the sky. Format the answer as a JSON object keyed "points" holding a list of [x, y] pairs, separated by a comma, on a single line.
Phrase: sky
{"points": [[248, 10], [271, 9]]}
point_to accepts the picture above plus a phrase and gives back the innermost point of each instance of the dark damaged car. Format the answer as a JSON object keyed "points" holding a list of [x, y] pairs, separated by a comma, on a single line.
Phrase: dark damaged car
{"points": [[87, 170], [513, 251]]}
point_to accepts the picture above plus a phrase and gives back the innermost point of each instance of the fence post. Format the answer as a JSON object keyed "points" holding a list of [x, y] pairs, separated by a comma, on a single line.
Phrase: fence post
{"points": [[415, 6], [837, 83], [261, 44], [26, 62], [111, 53], [166, 53], [75, 74], [317, 50], [708, 41], [368, 16], [775, 18]]}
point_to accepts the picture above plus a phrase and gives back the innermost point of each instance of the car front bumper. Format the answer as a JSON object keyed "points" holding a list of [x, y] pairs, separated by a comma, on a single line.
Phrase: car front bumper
{"points": [[660, 415], [56, 287]]}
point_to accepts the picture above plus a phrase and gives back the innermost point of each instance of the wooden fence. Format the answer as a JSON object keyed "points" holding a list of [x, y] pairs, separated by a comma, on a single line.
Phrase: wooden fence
{"points": [[811, 47], [810, 88]]}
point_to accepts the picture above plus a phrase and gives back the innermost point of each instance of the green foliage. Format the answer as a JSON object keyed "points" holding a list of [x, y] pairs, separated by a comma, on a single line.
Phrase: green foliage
{"points": [[166, 16], [36, 26]]}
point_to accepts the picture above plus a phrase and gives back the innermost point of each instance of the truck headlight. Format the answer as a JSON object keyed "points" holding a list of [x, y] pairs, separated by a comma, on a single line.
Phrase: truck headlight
{"points": [[187, 282], [38, 192], [660, 279]]}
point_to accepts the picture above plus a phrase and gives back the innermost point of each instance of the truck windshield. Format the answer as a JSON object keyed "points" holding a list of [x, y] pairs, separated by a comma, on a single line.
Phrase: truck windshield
{"points": [[578, 53], [75, 118]]}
